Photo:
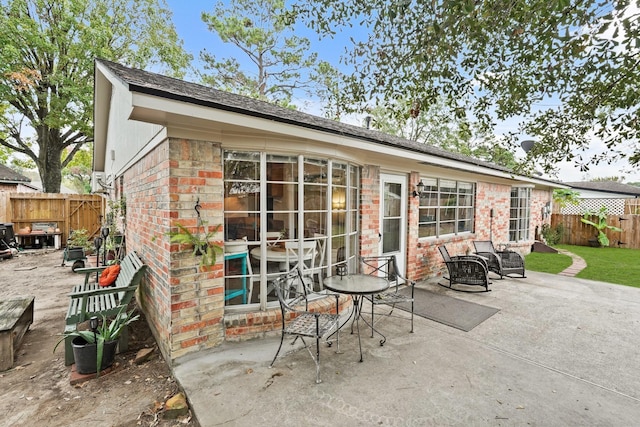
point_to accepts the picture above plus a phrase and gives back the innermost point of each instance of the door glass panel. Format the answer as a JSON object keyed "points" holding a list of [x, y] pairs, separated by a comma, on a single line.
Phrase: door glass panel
{"points": [[392, 216]]}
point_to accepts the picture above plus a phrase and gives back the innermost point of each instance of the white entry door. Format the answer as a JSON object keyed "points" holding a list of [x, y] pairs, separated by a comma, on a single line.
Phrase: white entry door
{"points": [[393, 215]]}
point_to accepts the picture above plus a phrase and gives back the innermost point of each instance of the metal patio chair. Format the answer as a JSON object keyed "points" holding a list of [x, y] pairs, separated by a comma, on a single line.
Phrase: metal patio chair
{"points": [[469, 270], [503, 263], [293, 291], [386, 266]]}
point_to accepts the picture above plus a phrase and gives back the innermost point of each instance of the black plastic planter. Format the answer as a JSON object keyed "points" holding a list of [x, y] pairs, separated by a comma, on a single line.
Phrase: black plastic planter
{"points": [[85, 355]]}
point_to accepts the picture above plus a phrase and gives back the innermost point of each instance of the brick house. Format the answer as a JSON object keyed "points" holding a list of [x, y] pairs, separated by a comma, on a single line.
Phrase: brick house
{"points": [[262, 171]]}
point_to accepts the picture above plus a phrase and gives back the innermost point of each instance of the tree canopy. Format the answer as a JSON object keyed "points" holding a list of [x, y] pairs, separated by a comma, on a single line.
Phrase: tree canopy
{"points": [[567, 72], [278, 61], [47, 52]]}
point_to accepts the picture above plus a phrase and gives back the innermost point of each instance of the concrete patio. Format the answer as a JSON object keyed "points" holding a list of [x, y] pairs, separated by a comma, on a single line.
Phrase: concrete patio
{"points": [[561, 351]]}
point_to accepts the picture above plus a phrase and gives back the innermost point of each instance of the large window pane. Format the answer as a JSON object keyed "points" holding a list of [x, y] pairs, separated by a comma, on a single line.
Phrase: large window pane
{"points": [[427, 230], [295, 198], [241, 166], [315, 170], [339, 175], [241, 196], [446, 207], [315, 197], [392, 200], [391, 232], [446, 228], [520, 214], [282, 168]]}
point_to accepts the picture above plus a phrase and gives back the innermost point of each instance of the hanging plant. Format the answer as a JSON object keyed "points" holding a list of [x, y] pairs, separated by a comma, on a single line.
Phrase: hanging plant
{"points": [[202, 243]]}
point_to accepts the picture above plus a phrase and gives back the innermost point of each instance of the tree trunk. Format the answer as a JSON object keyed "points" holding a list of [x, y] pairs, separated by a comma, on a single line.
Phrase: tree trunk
{"points": [[49, 159]]}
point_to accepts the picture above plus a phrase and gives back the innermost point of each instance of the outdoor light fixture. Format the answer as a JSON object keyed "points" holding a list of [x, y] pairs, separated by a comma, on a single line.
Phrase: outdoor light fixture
{"points": [[97, 242], [420, 188], [105, 234], [93, 323]]}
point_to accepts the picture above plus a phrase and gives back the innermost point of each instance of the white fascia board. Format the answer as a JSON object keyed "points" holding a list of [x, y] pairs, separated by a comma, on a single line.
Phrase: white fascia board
{"points": [[169, 113]]}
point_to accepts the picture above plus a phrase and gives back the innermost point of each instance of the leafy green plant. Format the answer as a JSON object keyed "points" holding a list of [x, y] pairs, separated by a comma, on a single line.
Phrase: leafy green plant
{"points": [[552, 235], [202, 243], [80, 239], [601, 224], [105, 331], [565, 196]]}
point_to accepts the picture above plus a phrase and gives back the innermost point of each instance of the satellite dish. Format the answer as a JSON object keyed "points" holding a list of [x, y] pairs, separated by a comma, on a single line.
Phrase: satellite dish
{"points": [[527, 145]]}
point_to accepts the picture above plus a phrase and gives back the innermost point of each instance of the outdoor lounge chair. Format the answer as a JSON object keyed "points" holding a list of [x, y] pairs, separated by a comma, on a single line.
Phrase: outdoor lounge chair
{"points": [[466, 270], [293, 291], [386, 266], [503, 263]]}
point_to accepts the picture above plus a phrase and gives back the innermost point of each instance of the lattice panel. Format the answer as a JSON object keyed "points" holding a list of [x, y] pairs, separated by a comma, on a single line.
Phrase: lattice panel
{"points": [[614, 206]]}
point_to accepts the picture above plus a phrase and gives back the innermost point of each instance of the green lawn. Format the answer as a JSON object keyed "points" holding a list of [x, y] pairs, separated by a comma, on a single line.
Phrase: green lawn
{"points": [[547, 262], [612, 265]]}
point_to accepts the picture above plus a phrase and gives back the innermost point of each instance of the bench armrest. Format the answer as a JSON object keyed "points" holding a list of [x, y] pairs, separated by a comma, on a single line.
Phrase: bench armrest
{"points": [[89, 270]]}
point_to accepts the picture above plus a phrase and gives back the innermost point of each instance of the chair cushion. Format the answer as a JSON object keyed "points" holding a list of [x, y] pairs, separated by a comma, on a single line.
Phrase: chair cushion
{"points": [[109, 275]]}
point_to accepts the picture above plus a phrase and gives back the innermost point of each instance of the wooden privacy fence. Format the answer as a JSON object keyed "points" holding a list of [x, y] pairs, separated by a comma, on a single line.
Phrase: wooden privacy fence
{"points": [[578, 233], [68, 211]]}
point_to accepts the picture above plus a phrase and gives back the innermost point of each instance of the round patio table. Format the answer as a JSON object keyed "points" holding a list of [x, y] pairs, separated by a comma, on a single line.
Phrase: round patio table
{"points": [[358, 285]]}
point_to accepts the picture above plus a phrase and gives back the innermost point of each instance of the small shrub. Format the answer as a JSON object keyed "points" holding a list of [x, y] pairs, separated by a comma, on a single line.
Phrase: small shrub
{"points": [[80, 239], [552, 235]]}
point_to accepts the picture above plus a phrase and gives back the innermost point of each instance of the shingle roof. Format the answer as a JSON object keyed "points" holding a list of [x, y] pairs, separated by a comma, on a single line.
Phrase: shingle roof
{"points": [[180, 90], [8, 175], [607, 186]]}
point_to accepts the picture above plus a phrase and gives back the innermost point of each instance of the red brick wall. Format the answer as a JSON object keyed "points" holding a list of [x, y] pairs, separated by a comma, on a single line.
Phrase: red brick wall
{"points": [[424, 259], [146, 186], [184, 304], [498, 198], [539, 199], [415, 265], [369, 210], [249, 325]]}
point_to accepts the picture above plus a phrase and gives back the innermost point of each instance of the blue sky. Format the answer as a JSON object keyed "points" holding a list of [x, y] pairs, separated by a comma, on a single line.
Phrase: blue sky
{"points": [[196, 37]]}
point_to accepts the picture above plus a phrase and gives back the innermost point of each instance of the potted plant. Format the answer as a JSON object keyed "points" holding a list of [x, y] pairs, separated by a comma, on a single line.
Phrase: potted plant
{"points": [[202, 243], [95, 349], [79, 239], [600, 225]]}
